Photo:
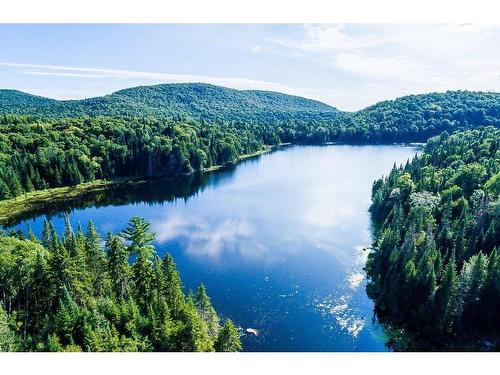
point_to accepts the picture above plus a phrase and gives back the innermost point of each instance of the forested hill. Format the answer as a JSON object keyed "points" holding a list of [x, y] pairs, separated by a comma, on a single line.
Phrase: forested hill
{"points": [[406, 119], [418, 117], [14, 101], [181, 128], [187, 100], [435, 269]]}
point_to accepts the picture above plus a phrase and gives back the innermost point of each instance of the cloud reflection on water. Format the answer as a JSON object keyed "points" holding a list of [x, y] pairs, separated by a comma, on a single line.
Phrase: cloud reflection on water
{"points": [[211, 238]]}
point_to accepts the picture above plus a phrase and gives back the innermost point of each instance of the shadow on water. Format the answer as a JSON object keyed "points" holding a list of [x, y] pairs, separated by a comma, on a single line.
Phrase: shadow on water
{"points": [[278, 243], [154, 191]]}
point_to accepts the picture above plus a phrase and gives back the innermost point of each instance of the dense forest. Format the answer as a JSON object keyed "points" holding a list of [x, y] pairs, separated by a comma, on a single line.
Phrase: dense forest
{"points": [[435, 268], [198, 126], [69, 293], [43, 154], [419, 117], [435, 265], [197, 101]]}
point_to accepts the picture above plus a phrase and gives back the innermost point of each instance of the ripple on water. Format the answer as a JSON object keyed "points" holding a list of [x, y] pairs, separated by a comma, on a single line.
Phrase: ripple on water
{"points": [[346, 317], [340, 309]]}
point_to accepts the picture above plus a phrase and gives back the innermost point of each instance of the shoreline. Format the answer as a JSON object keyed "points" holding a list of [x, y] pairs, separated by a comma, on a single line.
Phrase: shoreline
{"points": [[26, 202]]}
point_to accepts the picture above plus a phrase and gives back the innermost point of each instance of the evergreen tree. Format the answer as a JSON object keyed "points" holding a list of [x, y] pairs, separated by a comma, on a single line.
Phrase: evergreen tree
{"points": [[9, 342], [445, 291], [193, 334], [137, 232], [207, 312], [173, 286], [228, 339], [118, 265], [446, 297], [473, 278], [96, 260]]}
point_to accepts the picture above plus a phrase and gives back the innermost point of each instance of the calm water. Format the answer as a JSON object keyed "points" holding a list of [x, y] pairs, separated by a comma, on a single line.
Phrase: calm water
{"points": [[278, 241]]}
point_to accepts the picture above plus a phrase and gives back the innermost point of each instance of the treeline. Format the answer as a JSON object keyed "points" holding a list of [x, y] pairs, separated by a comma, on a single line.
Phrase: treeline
{"points": [[195, 101], [38, 152], [416, 118], [37, 155], [69, 293], [435, 269], [407, 119]]}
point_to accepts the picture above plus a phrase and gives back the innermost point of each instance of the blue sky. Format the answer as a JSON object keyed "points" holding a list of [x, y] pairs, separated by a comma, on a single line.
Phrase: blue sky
{"points": [[348, 66]]}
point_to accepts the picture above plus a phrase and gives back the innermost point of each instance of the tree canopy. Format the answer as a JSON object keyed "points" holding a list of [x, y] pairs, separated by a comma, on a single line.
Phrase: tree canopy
{"points": [[168, 130], [69, 293], [435, 265]]}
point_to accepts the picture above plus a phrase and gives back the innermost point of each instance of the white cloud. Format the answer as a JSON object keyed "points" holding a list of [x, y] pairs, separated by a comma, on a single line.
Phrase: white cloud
{"points": [[62, 74], [348, 66], [151, 77], [318, 38], [380, 62], [470, 27], [203, 238], [402, 67]]}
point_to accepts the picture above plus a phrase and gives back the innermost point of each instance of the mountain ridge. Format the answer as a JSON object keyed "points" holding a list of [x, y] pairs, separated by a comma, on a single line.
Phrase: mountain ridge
{"points": [[195, 100]]}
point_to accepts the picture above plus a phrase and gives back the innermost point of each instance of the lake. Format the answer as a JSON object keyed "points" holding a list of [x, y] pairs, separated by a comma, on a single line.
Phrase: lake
{"points": [[279, 241]]}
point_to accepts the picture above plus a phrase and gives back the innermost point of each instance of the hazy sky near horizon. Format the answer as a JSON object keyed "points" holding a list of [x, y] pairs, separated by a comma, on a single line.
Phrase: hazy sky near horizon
{"points": [[348, 66]]}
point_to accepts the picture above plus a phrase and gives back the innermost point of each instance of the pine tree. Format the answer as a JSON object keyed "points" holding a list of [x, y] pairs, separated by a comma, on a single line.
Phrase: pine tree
{"points": [[446, 297], [96, 260], [161, 324], [41, 294], [490, 301], [31, 235], [51, 305], [159, 277], [66, 319], [137, 232], [118, 265], [59, 268], [9, 342], [48, 234], [69, 238], [80, 279], [193, 336], [207, 312], [228, 339], [473, 277], [173, 286]]}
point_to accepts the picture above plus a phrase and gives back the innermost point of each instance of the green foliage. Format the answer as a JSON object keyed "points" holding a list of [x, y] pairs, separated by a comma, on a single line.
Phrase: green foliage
{"points": [[69, 294], [9, 341], [436, 262], [207, 312], [229, 338], [40, 154], [418, 117], [435, 265], [176, 129], [188, 100], [173, 286]]}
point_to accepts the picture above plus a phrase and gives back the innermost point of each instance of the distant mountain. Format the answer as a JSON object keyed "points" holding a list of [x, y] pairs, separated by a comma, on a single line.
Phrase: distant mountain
{"points": [[143, 131], [14, 101], [190, 100], [409, 118], [425, 115]]}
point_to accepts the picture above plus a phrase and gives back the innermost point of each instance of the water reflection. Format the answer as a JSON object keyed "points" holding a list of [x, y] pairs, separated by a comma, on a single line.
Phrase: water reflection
{"points": [[279, 241], [151, 192], [212, 239]]}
